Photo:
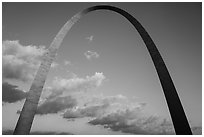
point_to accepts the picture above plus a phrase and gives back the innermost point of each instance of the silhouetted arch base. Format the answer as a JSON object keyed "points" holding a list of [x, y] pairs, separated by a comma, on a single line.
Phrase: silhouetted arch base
{"points": [[177, 113]]}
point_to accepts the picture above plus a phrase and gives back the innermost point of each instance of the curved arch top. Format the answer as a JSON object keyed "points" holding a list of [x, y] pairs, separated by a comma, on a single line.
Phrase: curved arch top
{"points": [[177, 113]]}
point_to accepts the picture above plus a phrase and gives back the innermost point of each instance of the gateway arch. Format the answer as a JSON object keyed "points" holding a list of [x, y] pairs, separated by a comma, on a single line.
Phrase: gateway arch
{"points": [[176, 110]]}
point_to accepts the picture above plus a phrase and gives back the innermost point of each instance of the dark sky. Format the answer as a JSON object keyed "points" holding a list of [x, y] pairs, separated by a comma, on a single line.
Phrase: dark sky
{"points": [[176, 29]]}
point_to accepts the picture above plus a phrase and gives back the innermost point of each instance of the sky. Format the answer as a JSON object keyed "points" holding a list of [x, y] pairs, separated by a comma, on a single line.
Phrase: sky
{"points": [[103, 77]]}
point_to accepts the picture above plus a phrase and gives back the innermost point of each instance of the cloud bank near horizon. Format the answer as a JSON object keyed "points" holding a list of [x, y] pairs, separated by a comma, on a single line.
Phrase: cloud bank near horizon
{"points": [[119, 114]]}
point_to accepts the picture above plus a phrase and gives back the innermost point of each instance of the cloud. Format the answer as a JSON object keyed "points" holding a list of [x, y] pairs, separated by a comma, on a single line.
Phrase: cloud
{"points": [[76, 84], [118, 113], [90, 38], [20, 62], [56, 105], [129, 121], [99, 106], [90, 111], [11, 94], [57, 98], [66, 62], [91, 54]]}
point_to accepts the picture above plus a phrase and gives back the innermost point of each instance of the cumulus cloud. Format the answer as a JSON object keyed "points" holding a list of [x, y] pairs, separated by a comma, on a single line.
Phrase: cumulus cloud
{"points": [[91, 54], [120, 114], [56, 105], [129, 121], [90, 38], [58, 97], [76, 84], [99, 106], [11, 94], [66, 62], [20, 62]]}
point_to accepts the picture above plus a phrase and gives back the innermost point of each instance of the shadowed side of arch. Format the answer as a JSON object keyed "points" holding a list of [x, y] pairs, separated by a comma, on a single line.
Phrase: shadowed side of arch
{"points": [[177, 113]]}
